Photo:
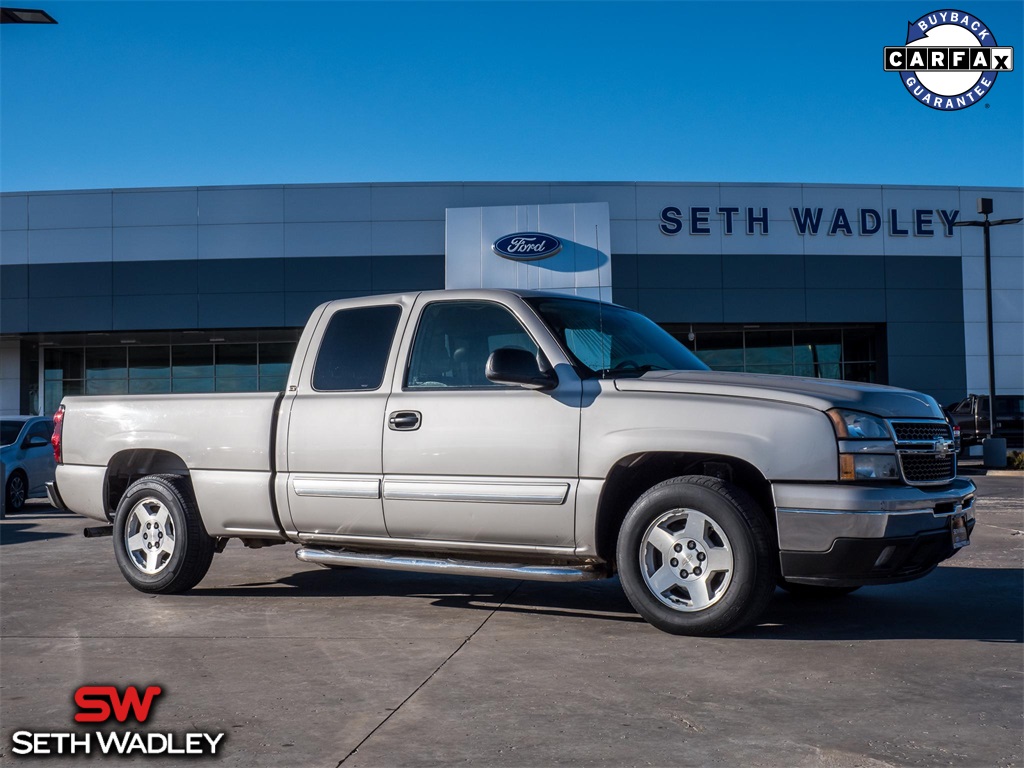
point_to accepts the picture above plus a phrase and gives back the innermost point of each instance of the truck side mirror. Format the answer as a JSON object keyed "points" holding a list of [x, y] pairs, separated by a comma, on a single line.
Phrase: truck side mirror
{"points": [[511, 365]]}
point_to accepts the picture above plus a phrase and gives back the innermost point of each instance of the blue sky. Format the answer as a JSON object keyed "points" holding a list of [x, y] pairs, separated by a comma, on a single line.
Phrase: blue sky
{"points": [[162, 94]]}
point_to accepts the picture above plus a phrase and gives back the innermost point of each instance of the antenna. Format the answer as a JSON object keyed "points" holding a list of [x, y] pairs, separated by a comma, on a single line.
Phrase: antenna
{"points": [[600, 305]]}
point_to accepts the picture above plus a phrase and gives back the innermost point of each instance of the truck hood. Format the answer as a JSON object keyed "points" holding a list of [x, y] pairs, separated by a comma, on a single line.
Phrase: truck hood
{"points": [[821, 394]]}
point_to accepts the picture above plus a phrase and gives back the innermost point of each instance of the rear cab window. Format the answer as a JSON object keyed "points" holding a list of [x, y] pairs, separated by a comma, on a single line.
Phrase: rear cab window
{"points": [[354, 349]]}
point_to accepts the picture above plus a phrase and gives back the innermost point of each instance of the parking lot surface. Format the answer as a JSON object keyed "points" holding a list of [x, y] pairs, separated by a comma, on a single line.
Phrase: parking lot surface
{"points": [[303, 666]]}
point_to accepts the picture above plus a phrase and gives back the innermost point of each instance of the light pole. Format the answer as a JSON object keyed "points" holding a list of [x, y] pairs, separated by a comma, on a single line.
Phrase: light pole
{"points": [[992, 448]]}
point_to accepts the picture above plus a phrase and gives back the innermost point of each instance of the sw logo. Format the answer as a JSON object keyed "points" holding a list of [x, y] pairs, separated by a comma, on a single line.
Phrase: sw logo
{"points": [[950, 60], [102, 704], [98, 702]]}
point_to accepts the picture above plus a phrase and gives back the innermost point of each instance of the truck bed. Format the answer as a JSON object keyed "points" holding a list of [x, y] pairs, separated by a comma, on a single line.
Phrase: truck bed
{"points": [[223, 441], [208, 431]]}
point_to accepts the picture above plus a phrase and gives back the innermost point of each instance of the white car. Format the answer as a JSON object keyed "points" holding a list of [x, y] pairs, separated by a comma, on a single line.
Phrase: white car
{"points": [[27, 456]]}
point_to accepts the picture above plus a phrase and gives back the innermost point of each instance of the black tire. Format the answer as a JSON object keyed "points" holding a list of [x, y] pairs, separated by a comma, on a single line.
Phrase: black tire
{"points": [[815, 590], [16, 491], [732, 527], [193, 547]]}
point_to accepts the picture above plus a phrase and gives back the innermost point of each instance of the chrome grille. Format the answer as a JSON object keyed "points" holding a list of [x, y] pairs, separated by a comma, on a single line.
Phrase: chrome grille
{"points": [[922, 461], [921, 431], [927, 467]]}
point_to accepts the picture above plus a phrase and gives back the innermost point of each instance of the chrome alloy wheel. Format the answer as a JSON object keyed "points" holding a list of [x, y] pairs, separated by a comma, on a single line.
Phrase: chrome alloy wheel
{"points": [[149, 536], [686, 560]]}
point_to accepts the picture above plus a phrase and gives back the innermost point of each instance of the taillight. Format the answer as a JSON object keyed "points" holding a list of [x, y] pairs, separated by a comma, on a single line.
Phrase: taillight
{"points": [[58, 426]]}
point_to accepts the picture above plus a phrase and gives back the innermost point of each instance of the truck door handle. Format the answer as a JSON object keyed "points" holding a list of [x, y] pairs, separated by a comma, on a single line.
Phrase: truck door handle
{"points": [[404, 421]]}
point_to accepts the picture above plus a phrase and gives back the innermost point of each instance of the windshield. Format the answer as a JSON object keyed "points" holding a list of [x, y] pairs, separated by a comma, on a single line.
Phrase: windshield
{"points": [[609, 340], [9, 431]]}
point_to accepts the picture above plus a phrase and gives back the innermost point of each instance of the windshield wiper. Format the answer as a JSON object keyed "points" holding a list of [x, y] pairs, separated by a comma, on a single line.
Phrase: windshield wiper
{"points": [[630, 369]]}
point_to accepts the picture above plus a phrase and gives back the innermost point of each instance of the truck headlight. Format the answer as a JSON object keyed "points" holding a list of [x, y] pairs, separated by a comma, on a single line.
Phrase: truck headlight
{"points": [[866, 447], [868, 466], [853, 425]]}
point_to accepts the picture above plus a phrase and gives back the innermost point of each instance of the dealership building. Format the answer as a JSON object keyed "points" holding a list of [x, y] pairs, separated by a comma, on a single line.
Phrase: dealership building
{"points": [[202, 289]]}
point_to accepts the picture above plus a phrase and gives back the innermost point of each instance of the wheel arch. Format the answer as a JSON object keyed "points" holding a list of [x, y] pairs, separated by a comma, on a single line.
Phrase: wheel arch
{"points": [[633, 475], [127, 466]]}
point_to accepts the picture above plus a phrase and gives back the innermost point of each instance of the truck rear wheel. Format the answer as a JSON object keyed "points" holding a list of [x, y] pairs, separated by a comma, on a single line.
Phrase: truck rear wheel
{"points": [[696, 557], [159, 540]]}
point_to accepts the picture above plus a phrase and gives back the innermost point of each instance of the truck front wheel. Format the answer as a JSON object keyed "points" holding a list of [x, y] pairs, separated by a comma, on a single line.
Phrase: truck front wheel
{"points": [[159, 539], [696, 557]]}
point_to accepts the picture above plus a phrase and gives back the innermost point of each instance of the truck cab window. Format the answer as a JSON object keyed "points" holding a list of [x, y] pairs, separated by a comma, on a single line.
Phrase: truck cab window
{"points": [[354, 350], [454, 340]]}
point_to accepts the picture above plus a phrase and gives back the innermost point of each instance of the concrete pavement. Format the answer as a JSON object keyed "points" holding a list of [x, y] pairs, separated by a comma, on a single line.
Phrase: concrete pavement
{"points": [[302, 666]]}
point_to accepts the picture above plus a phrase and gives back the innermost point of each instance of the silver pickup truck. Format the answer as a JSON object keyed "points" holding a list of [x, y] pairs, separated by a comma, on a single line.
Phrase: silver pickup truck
{"points": [[530, 436]]}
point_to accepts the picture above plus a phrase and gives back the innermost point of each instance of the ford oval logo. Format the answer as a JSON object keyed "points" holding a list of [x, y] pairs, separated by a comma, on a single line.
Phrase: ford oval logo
{"points": [[527, 246]]}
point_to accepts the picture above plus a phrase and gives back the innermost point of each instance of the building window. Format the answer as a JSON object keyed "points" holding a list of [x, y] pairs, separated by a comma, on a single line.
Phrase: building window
{"points": [[254, 366], [149, 370], [275, 362], [850, 353]]}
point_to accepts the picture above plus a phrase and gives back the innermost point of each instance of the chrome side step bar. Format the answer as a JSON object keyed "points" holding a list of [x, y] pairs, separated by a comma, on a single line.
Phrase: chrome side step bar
{"points": [[448, 566]]}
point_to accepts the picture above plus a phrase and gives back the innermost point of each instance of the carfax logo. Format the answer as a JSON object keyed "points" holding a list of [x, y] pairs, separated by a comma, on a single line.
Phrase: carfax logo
{"points": [[950, 60]]}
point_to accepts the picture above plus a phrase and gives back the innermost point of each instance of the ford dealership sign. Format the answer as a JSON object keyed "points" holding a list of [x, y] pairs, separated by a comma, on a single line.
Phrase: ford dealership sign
{"points": [[527, 246]]}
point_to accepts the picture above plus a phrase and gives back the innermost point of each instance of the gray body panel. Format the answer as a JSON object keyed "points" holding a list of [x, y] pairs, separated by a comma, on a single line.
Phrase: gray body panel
{"points": [[495, 464], [821, 394], [331, 469], [228, 431], [222, 440], [623, 419]]}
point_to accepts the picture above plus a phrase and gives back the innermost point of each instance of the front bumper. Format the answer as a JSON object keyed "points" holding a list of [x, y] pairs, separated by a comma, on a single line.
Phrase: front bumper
{"points": [[850, 535]]}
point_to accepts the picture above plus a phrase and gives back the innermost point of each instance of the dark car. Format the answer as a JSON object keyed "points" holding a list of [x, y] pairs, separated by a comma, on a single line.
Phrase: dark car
{"points": [[971, 414], [957, 444]]}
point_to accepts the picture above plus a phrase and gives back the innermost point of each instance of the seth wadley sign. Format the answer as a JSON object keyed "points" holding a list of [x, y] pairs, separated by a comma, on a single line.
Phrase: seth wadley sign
{"points": [[923, 222]]}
